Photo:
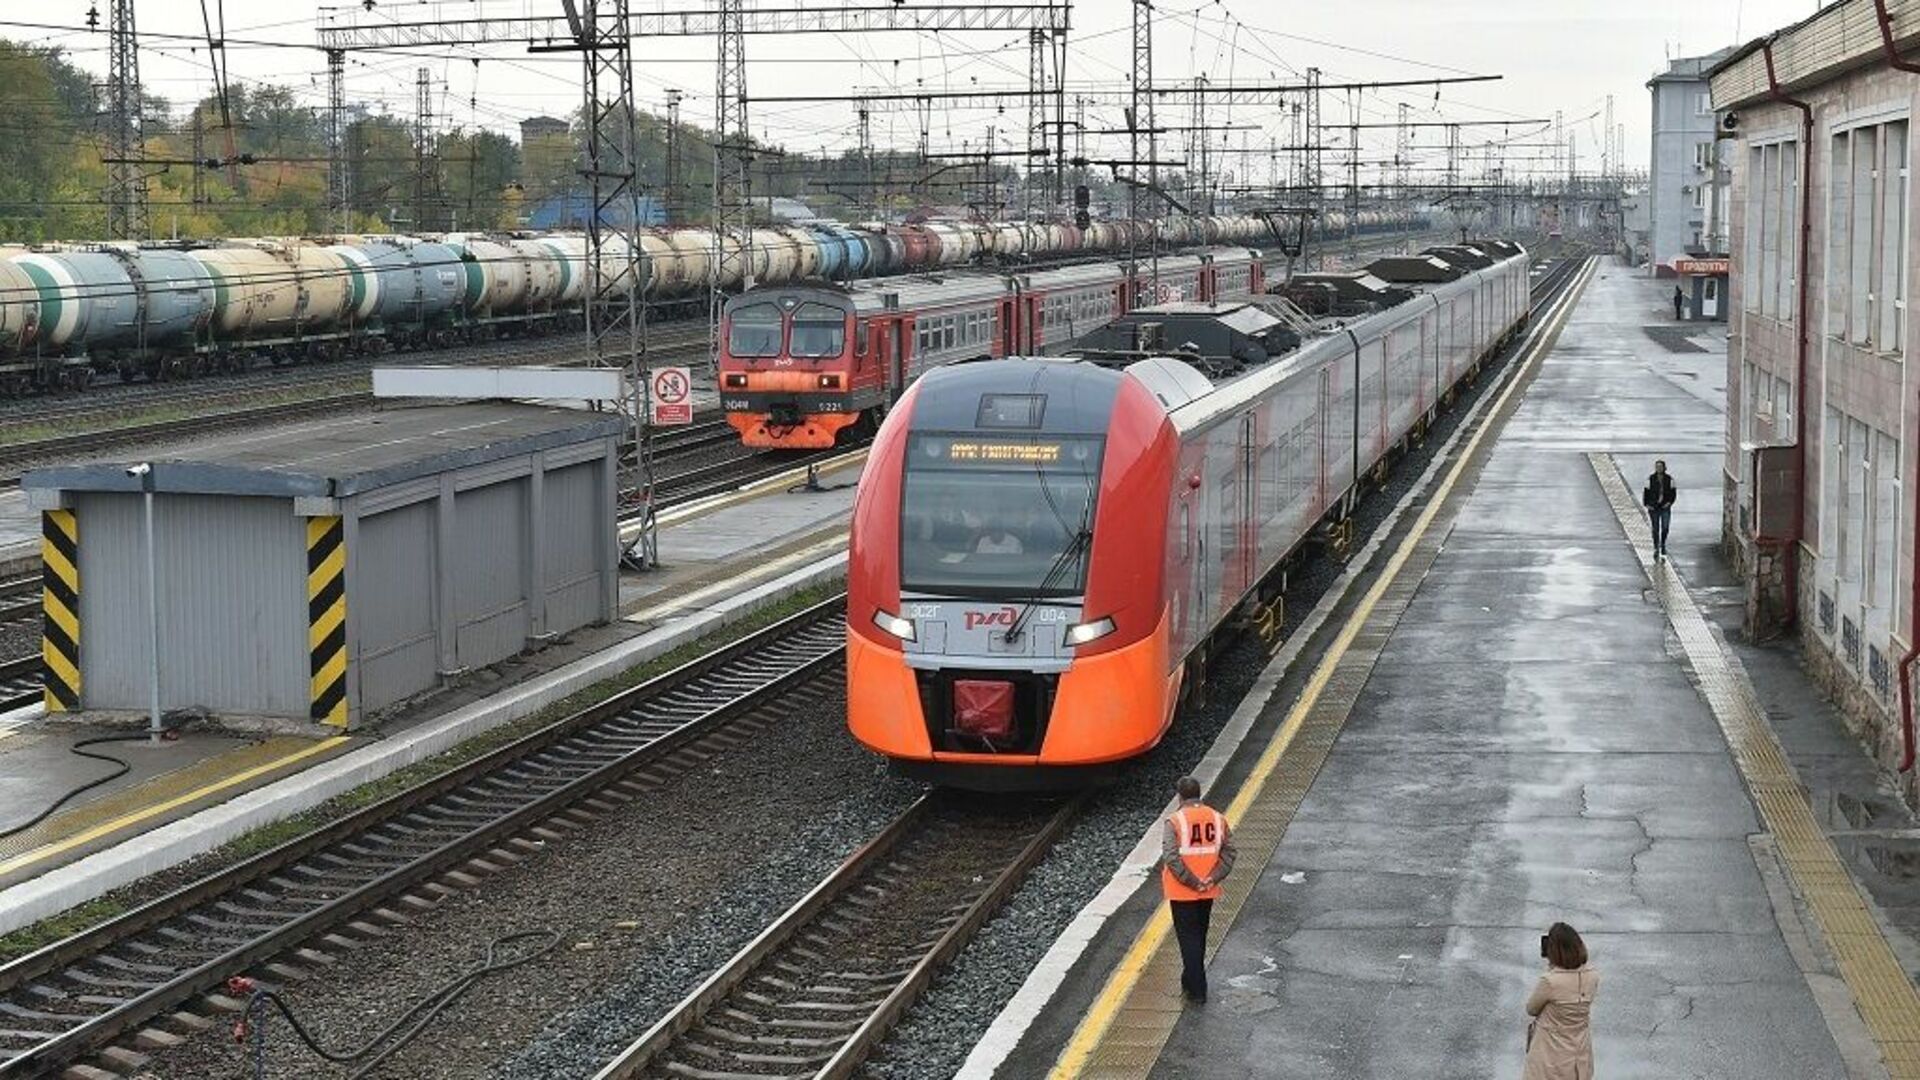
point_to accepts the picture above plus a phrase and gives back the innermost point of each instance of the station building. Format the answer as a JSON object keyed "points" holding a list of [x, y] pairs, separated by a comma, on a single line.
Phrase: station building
{"points": [[1818, 511]]}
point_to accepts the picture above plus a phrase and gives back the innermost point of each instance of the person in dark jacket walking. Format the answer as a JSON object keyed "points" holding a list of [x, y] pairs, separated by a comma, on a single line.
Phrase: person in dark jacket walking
{"points": [[1679, 301], [1658, 497], [1196, 855]]}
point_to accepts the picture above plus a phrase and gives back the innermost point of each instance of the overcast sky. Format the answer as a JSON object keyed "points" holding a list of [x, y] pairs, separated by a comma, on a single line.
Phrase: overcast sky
{"points": [[1565, 55]]}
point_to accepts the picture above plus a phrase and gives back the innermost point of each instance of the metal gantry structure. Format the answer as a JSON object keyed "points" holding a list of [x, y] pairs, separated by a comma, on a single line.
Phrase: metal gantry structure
{"points": [[1139, 122], [339, 186], [126, 180], [616, 304], [732, 166], [603, 32]]}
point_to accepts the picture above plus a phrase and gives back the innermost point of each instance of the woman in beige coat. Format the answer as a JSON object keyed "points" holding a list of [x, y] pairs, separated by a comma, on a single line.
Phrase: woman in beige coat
{"points": [[1559, 1041]]}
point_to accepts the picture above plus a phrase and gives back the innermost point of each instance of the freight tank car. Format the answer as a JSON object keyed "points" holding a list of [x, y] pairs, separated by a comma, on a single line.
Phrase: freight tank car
{"points": [[1042, 548]]}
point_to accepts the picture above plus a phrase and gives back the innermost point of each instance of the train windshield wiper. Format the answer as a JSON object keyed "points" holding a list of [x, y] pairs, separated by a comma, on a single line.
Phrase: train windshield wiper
{"points": [[1068, 556]]}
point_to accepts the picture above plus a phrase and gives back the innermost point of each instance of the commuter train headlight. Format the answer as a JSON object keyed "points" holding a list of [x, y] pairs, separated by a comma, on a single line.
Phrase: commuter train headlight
{"points": [[1088, 632], [893, 624]]}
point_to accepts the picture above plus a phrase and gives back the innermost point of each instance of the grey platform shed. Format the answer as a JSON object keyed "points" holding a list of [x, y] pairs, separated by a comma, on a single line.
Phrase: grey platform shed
{"points": [[333, 568]]}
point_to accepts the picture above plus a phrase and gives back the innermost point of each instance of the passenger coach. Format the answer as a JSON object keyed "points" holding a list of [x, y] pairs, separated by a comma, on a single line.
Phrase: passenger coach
{"points": [[1042, 548]]}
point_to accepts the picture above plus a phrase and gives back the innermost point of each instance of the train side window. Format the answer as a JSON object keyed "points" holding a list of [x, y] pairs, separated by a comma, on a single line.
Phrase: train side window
{"points": [[1186, 532], [860, 339]]}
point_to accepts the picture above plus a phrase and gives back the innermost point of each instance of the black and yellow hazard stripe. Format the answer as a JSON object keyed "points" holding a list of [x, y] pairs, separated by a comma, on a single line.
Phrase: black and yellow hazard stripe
{"points": [[60, 592], [327, 619]]}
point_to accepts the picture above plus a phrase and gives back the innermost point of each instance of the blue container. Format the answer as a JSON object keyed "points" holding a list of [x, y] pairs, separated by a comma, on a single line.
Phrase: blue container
{"points": [[832, 252], [419, 282], [178, 293]]}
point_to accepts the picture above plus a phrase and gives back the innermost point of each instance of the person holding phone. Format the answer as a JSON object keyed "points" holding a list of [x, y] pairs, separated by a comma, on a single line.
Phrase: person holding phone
{"points": [[1559, 1037]]}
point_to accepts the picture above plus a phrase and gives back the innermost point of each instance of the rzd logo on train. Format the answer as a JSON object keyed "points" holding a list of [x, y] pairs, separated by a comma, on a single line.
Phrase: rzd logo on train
{"points": [[1003, 617]]}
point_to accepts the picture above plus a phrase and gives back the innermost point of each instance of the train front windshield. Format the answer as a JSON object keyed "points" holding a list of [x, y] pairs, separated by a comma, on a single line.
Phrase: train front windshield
{"points": [[997, 517], [818, 331], [755, 331]]}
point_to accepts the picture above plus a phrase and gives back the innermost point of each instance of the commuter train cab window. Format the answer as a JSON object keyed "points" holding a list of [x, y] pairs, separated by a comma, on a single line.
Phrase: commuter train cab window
{"points": [[755, 332], [818, 330], [1000, 516]]}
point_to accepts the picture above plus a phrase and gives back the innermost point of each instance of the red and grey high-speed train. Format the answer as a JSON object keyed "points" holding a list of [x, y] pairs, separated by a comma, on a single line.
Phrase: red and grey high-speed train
{"points": [[800, 364], [1042, 547]]}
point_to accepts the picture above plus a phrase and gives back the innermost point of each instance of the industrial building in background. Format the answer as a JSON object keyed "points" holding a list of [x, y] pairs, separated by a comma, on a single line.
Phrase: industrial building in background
{"points": [[1687, 184], [1817, 513]]}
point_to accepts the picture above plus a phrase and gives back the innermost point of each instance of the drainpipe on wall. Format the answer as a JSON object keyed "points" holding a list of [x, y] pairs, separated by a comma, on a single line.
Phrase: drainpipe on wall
{"points": [[1800, 335], [1886, 39], [1913, 633]]}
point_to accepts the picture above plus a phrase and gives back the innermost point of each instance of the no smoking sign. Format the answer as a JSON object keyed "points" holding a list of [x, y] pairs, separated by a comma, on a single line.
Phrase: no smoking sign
{"points": [[672, 396]]}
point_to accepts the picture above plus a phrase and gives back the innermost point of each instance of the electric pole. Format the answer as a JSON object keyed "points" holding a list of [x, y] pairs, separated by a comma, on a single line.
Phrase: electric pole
{"points": [[339, 190], [422, 144], [733, 163], [675, 196], [126, 183]]}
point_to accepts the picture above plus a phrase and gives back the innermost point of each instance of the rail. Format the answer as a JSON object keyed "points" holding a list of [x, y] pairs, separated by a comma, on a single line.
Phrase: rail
{"points": [[79, 994], [847, 961]]}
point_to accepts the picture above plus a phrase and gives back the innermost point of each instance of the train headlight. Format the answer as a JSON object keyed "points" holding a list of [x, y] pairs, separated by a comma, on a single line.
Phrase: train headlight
{"points": [[1088, 632], [736, 381], [894, 624]]}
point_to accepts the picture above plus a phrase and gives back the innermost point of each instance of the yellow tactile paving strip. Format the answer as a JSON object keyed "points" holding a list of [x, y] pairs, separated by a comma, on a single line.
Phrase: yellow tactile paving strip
{"points": [[1881, 990], [1127, 1026], [147, 804]]}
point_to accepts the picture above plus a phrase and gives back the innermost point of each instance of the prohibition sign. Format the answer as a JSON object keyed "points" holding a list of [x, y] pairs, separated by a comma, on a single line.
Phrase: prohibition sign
{"points": [[672, 394]]}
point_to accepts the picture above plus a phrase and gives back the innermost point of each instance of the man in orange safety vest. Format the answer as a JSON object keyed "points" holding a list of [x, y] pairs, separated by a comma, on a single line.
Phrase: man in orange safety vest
{"points": [[1196, 855]]}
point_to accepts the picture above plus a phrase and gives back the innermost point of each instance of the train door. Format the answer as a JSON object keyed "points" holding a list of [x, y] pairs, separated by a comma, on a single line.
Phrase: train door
{"points": [[1008, 340], [1325, 448], [1249, 536], [897, 363], [1202, 553]]}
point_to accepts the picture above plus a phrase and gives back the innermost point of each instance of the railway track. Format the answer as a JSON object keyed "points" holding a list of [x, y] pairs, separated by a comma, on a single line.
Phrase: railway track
{"points": [[19, 600], [77, 996], [20, 682], [820, 988]]}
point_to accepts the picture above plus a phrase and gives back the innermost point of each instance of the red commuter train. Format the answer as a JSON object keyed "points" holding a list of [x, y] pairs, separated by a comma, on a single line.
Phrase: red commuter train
{"points": [[802, 364], [1042, 547]]}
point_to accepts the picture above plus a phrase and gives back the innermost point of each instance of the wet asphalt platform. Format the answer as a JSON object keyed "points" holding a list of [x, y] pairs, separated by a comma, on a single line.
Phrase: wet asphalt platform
{"points": [[1535, 742]]}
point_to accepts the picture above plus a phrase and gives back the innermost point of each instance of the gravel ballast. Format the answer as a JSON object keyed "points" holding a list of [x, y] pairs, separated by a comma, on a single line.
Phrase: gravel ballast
{"points": [[646, 900]]}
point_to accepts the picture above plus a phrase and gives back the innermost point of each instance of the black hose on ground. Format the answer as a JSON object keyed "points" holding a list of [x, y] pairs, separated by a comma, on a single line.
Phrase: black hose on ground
{"points": [[122, 767], [253, 1025]]}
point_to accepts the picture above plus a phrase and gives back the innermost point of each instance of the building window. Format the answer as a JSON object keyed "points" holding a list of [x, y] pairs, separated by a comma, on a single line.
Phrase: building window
{"points": [[1866, 237], [1702, 156], [1702, 103], [1772, 224]]}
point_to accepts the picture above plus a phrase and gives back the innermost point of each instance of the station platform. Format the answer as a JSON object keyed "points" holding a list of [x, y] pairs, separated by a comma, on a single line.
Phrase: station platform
{"points": [[1525, 719], [721, 559]]}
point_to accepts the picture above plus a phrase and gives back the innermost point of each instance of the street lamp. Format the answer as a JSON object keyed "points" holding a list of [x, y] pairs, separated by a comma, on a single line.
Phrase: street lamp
{"points": [[144, 473]]}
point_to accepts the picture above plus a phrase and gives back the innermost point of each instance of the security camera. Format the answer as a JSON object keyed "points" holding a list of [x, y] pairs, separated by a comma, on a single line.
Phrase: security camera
{"points": [[139, 470]]}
